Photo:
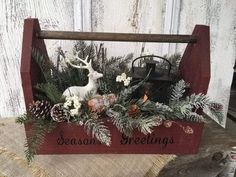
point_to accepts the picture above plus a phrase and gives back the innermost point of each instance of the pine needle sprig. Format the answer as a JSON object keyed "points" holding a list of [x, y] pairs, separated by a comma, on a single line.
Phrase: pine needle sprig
{"points": [[50, 91], [194, 117], [37, 134], [147, 124], [198, 100], [25, 118], [99, 130], [127, 92], [216, 109], [178, 90], [35, 140], [163, 109], [46, 66], [121, 120]]}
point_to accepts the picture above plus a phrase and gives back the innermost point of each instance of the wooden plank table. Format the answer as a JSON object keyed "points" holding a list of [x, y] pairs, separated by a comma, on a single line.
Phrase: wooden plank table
{"points": [[12, 161]]}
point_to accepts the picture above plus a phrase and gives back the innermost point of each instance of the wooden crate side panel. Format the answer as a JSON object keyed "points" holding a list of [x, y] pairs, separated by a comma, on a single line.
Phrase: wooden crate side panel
{"points": [[72, 139], [195, 63], [30, 72]]}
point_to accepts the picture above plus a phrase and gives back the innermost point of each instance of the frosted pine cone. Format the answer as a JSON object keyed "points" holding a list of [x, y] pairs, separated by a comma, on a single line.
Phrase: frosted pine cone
{"points": [[40, 109], [167, 123], [216, 106], [188, 130], [100, 102], [59, 113]]}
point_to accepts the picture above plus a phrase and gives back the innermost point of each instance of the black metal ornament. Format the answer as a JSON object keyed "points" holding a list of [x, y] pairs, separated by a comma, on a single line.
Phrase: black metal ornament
{"points": [[160, 79]]}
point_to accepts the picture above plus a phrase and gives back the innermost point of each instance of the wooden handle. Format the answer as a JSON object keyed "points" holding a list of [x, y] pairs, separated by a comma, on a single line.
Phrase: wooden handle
{"points": [[127, 37]]}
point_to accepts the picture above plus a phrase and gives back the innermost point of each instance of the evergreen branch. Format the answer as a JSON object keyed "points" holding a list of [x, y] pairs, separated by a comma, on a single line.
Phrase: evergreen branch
{"points": [[216, 109], [37, 134], [46, 66], [35, 139], [146, 124], [50, 90], [178, 91], [194, 117], [148, 106], [99, 130], [185, 109], [25, 118], [122, 122], [119, 106], [51, 125], [198, 101], [126, 93], [162, 108]]}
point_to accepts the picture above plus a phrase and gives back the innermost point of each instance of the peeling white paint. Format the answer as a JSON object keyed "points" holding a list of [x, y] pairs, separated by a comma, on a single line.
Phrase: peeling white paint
{"points": [[53, 15], [220, 15]]}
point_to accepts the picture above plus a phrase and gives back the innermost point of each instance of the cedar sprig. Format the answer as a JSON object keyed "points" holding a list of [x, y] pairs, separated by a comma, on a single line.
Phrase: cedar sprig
{"points": [[38, 131]]}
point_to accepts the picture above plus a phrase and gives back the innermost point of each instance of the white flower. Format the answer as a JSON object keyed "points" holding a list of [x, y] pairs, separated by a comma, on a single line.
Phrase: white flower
{"points": [[118, 78], [126, 82], [75, 98], [81, 123], [68, 98], [77, 105], [76, 101], [72, 99], [74, 112], [123, 76], [129, 78], [67, 104]]}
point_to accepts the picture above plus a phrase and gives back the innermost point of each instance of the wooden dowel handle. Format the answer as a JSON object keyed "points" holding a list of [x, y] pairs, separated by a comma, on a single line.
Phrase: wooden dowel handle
{"points": [[127, 37]]}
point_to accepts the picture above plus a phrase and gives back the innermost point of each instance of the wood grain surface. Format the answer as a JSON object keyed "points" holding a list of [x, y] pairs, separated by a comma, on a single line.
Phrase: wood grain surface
{"points": [[53, 15], [12, 162]]}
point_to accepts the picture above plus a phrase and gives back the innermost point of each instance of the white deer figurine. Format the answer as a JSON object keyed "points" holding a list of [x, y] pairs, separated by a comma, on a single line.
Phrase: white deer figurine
{"points": [[93, 75]]}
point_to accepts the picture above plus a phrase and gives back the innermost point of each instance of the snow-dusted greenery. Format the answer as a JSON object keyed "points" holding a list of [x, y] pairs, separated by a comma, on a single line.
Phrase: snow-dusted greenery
{"points": [[147, 114]]}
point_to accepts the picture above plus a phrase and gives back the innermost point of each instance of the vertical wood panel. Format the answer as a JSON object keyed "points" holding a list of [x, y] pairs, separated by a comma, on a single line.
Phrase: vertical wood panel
{"points": [[82, 15], [52, 15], [220, 15], [171, 23], [134, 16]]}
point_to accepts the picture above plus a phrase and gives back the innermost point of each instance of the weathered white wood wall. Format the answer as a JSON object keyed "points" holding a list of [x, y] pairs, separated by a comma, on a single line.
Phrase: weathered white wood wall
{"points": [[135, 16], [220, 15], [53, 15]]}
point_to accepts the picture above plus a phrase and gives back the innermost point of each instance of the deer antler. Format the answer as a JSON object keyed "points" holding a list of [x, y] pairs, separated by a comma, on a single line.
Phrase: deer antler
{"points": [[88, 64]]}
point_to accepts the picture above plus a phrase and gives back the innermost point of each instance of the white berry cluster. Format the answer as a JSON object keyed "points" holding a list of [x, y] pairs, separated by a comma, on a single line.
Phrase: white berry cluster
{"points": [[123, 78], [73, 104]]}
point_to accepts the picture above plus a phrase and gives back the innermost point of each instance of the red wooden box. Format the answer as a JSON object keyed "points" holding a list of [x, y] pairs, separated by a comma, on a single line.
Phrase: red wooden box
{"points": [[72, 139]]}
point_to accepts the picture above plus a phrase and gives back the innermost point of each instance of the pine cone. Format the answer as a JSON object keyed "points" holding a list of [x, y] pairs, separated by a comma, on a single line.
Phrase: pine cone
{"points": [[133, 110], [216, 106], [100, 102], [188, 130], [40, 109], [59, 113], [168, 123]]}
